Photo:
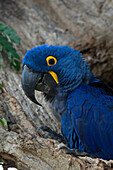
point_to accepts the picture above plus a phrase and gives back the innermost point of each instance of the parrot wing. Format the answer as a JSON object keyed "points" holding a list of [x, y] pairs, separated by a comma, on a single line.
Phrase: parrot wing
{"points": [[91, 114]]}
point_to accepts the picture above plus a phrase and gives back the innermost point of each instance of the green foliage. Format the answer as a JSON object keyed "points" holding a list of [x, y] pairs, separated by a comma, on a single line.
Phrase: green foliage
{"points": [[1, 85], [8, 39], [3, 122]]}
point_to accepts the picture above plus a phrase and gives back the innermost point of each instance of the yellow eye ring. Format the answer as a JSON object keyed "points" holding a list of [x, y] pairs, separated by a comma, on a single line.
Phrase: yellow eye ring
{"points": [[51, 60]]}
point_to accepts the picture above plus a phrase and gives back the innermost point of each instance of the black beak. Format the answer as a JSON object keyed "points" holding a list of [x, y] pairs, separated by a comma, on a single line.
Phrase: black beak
{"points": [[29, 83]]}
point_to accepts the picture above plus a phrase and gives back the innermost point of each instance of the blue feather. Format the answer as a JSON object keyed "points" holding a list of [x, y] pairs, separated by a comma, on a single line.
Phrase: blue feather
{"points": [[92, 120], [84, 104]]}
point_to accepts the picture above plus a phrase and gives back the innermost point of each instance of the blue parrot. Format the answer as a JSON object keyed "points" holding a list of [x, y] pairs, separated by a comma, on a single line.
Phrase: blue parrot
{"points": [[82, 103]]}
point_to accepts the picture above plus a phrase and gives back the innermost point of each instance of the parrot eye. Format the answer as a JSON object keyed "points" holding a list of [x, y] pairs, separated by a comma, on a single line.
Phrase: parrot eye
{"points": [[51, 60]]}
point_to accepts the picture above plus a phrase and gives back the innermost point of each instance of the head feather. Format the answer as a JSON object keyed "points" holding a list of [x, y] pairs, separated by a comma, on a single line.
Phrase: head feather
{"points": [[71, 69]]}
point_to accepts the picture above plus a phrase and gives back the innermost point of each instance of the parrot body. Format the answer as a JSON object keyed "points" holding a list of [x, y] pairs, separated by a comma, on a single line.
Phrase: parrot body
{"points": [[84, 103]]}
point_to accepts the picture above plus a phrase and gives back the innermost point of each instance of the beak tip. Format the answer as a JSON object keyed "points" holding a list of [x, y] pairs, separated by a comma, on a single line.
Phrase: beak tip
{"points": [[28, 82]]}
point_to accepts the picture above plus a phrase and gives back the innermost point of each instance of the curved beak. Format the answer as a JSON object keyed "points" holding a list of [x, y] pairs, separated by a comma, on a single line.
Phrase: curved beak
{"points": [[29, 81]]}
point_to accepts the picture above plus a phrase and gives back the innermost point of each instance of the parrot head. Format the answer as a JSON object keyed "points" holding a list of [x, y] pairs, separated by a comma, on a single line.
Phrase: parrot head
{"points": [[47, 68]]}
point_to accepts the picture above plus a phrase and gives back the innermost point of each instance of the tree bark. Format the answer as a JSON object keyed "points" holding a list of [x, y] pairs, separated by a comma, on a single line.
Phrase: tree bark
{"points": [[85, 25]]}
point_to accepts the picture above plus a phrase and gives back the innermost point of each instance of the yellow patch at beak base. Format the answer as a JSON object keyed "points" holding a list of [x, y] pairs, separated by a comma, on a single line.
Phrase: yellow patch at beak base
{"points": [[54, 75]]}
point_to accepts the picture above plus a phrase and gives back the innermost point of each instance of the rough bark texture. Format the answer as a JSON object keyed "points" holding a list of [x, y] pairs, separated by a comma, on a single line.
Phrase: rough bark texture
{"points": [[85, 25]]}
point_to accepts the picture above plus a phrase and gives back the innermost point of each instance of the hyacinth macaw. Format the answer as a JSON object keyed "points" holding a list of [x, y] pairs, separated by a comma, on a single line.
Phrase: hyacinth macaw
{"points": [[83, 103]]}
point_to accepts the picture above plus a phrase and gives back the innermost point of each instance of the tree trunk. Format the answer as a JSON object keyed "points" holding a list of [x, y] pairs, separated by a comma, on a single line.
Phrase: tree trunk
{"points": [[85, 25]]}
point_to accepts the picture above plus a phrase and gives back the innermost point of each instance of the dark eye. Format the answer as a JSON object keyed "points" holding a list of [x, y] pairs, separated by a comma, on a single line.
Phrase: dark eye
{"points": [[51, 60]]}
